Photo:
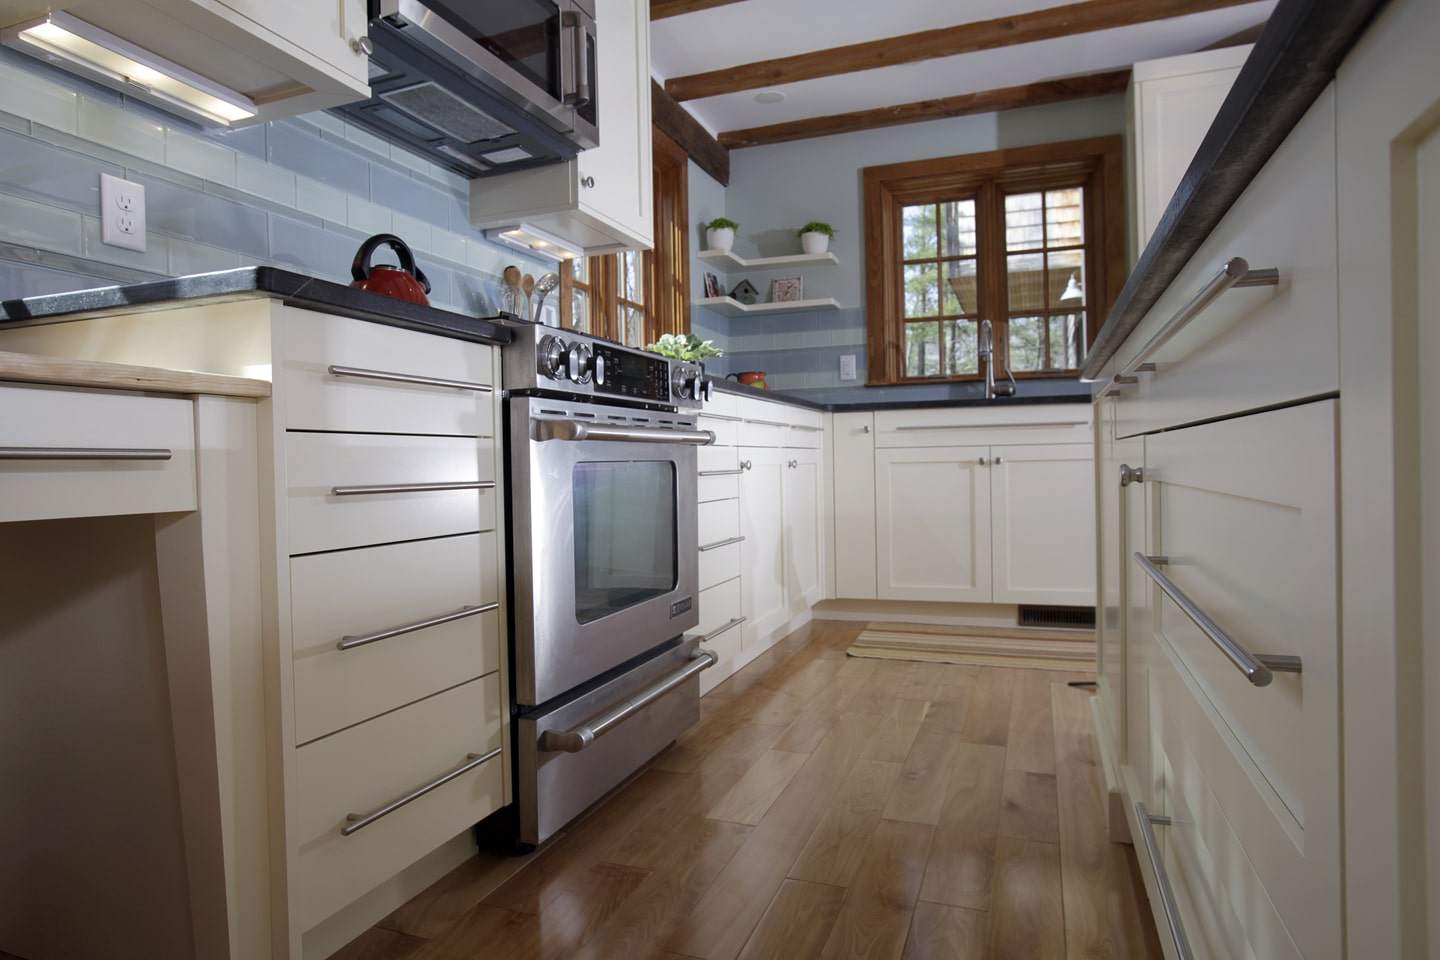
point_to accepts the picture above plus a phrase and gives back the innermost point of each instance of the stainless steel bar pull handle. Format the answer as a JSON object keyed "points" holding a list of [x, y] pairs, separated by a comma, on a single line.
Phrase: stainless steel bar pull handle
{"points": [[359, 821], [360, 640], [731, 625], [85, 453], [360, 373], [411, 487], [578, 738], [1147, 822], [543, 430], [721, 543], [720, 473], [1257, 668]]}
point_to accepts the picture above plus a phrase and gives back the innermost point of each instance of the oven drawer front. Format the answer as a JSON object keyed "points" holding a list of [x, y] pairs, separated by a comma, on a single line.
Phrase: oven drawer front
{"points": [[336, 373], [719, 565], [719, 522], [351, 595], [720, 630], [367, 767], [723, 465], [318, 463], [123, 424]]}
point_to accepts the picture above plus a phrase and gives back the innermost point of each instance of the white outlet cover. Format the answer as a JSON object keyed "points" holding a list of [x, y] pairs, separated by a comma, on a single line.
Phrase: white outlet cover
{"points": [[847, 366], [122, 213]]}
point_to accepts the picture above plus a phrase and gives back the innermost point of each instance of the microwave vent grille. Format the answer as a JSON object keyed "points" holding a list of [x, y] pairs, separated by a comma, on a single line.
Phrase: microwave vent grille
{"points": [[446, 112]]}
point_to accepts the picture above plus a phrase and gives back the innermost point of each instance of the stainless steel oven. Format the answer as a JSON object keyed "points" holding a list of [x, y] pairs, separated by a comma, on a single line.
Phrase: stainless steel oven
{"points": [[601, 468]]}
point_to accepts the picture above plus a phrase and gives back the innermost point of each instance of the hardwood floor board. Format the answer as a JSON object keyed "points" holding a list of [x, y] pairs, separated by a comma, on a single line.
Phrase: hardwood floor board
{"points": [[833, 853], [987, 719], [1027, 917], [940, 932], [797, 922], [650, 842], [920, 795], [503, 933], [721, 923], [749, 799], [1031, 741], [1030, 809], [578, 906], [945, 717], [809, 680], [914, 681], [957, 680], [762, 705], [875, 917], [435, 909], [897, 730], [376, 943], [806, 731], [1130, 907], [749, 741], [962, 856], [700, 741]]}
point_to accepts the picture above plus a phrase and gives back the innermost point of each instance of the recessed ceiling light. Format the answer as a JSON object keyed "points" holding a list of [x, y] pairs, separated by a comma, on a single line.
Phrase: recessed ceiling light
{"points": [[769, 96]]}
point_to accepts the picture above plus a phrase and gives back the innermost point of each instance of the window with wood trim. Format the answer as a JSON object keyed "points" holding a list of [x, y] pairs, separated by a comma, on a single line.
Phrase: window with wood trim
{"points": [[636, 296], [1029, 239]]}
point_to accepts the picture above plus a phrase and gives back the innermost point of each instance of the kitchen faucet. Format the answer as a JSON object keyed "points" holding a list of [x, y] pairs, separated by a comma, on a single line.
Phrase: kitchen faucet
{"points": [[987, 356]]}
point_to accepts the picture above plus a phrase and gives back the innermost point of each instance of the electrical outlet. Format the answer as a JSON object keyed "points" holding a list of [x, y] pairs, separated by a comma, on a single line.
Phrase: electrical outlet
{"points": [[847, 366], [122, 213]]}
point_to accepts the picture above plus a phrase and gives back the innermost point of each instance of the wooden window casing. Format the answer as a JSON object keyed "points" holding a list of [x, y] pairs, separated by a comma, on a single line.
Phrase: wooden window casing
{"points": [[1095, 165]]}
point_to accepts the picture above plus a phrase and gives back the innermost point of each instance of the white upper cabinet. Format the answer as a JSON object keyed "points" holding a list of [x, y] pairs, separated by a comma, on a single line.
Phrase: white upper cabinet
{"points": [[603, 199], [288, 58], [1172, 103]]}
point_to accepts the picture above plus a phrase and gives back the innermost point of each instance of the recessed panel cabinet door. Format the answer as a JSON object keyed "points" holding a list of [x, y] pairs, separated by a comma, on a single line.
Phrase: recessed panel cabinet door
{"points": [[804, 519], [1043, 512], [1109, 613], [932, 524], [762, 521]]}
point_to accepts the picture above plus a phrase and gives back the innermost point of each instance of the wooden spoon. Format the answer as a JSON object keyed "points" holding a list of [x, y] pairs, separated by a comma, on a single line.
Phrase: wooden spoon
{"points": [[527, 283]]}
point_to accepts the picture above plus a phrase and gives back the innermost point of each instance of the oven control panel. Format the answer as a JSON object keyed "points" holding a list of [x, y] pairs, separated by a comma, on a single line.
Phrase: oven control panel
{"points": [[583, 365]]}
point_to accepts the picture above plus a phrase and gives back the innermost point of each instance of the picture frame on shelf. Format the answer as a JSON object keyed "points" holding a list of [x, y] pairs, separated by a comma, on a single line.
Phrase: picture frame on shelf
{"points": [[786, 289], [712, 285]]}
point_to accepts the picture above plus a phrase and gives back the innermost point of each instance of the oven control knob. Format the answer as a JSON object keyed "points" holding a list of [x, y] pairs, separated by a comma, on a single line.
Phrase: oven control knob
{"points": [[599, 365], [550, 357], [578, 360], [683, 383], [707, 391]]}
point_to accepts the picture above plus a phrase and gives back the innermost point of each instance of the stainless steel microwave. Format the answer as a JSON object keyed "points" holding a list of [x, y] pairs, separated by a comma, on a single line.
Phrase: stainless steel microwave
{"points": [[482, 86]]}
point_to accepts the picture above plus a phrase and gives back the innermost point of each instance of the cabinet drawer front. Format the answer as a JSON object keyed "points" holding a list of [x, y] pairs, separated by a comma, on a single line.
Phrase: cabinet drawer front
{"points": [[720, 622], [719, 565], [374, 386], [130, 430], [1244, 512], [367, 767], [804, 438], [719, 521], [955, 426], [1253, 346], [726, 430], [354, 594], [719, 469], [319, 463], [756, 434]]}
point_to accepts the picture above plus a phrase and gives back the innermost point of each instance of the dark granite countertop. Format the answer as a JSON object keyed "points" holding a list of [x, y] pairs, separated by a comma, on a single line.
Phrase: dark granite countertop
{"points": [[741, 390], [294, 289], [1294, 59]]}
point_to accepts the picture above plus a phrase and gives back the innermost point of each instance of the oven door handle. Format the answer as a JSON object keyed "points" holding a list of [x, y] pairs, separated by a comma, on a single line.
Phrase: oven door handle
{"points": [[543, 430], [578, 738]]}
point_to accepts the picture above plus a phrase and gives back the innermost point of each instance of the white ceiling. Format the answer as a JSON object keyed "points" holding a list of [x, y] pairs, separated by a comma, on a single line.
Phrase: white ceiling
{"points": [[764, 29]]}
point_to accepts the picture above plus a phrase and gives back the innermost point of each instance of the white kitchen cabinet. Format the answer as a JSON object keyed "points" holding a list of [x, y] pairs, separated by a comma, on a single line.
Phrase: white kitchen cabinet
{"points": [[762, 553], [288, 58], [932, 523], [603, 199], [1042, 516], [804, 509], [1171, 102]]}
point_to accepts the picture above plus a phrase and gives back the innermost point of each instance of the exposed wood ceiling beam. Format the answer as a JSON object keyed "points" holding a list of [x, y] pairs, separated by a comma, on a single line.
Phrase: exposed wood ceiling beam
{"points": [[660, 9], [983, 101], [1084, 17], [685, 130]]}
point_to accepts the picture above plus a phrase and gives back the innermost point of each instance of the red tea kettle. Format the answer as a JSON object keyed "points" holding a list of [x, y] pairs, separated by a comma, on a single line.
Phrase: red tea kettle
{"points": [[406, 282]]}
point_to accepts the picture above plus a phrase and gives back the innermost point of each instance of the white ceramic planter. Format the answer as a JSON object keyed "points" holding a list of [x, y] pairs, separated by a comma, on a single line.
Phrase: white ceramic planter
{"points": [[814, 242], [721, 239]]}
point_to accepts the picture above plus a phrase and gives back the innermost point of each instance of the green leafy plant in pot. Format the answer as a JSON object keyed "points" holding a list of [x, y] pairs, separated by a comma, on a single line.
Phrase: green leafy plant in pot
{"points": [[815, 237], [720, 234], [685, 346]]}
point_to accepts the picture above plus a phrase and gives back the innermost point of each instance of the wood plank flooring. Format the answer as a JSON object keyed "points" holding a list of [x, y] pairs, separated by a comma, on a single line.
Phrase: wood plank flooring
{"points": [[824, 807]]}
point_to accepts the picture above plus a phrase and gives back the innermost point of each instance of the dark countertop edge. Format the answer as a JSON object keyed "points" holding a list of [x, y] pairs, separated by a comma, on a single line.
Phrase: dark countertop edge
{"points": [[1294, 59], [293, 289], [862, 406]]}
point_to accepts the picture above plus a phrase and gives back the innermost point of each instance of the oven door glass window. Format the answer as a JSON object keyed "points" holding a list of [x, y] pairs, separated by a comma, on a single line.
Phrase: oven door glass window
{"points": [[523, 33], [625, 546]]}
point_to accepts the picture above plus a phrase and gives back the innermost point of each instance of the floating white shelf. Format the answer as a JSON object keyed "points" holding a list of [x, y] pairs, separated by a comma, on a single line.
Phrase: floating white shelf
{"points": [[731, 307], [728, 260]]}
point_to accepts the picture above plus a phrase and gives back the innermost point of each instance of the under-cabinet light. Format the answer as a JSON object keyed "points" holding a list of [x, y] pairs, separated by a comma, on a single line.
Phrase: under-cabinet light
{"points": [[534, 241], [86, 49]]}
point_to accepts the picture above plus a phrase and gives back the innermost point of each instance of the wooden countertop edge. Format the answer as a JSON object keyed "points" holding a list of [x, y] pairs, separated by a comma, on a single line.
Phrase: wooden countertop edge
{"points": [[60, 371]]}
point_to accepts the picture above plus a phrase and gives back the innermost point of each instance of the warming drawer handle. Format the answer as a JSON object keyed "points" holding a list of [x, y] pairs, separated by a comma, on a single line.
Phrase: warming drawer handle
{"points": [[360, 640], [720, 473], [360, 373], [1257, 668], [578, 738], [359, 821], [411, 487], [1162, 879], [85, 453], [578, 431], [726, 628]]}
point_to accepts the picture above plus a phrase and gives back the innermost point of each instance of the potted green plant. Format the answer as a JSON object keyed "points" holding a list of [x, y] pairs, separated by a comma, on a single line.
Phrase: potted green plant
{"points": [[685, 346], [720, 234], [815, 237]]}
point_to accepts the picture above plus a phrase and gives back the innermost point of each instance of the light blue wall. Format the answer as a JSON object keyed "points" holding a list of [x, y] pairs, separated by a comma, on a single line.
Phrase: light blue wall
{"points": [[775, 189], [706, 202], [298, 193]]}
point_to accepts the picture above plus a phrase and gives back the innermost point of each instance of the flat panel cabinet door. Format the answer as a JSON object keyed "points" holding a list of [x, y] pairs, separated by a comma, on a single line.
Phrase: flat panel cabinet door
{"points": [[854, 438], [1137, 623], [620, 167], [1109, 613], [804, 519], [1043, 516], [762, 523], [323, 28], [932, 523]]}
